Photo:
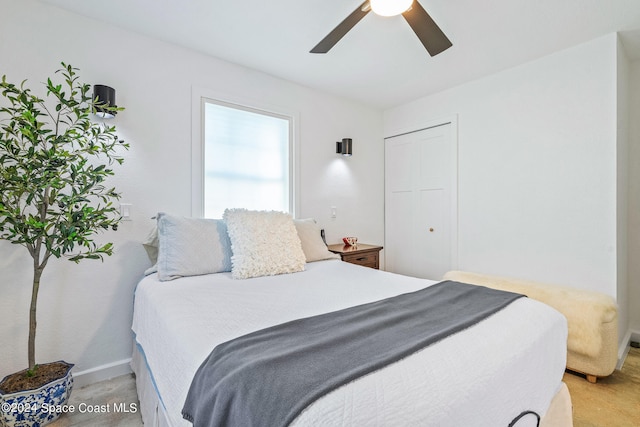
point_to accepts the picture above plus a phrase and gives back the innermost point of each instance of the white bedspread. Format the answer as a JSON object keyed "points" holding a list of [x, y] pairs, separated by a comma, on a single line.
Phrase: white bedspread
{"points": [[483, 376]]}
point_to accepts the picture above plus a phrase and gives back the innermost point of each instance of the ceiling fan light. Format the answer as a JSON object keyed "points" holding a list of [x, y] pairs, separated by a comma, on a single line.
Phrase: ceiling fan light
{"points": [[390, 7]]}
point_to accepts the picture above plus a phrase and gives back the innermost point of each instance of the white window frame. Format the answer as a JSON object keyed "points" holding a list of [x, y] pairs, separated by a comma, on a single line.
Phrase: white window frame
{"points": [[198, 98]]}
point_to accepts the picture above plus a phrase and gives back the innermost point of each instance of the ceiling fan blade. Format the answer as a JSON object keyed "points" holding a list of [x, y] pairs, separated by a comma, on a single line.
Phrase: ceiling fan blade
{"points": [[343, 28], [431, 36]]}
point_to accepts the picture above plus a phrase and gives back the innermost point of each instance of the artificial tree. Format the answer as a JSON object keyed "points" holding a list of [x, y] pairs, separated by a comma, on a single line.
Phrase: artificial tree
{"points": [[55, 159]]}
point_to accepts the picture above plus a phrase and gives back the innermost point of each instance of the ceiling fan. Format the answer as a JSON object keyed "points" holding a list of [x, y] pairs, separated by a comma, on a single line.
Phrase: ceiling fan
{"points": [[431, 36]]}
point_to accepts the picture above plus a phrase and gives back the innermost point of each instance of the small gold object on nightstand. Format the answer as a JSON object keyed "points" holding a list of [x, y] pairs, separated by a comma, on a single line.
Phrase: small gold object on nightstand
{"points": [[361, 254]]}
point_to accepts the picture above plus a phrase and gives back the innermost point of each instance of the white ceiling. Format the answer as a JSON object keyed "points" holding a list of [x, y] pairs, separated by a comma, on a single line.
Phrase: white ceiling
{"points": [[380, 62]]}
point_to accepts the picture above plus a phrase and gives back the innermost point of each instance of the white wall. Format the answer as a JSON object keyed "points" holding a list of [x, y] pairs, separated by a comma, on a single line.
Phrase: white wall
{"points": [[538, 189], [85, 310]]}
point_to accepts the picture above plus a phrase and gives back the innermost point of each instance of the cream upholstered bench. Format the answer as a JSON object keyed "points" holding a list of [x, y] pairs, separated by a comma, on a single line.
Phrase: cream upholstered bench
{"points": [[592, 319]]}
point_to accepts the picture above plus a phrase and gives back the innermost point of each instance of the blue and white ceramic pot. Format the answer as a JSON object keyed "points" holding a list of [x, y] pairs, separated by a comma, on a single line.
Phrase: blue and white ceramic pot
{"points": [[36, 408]]}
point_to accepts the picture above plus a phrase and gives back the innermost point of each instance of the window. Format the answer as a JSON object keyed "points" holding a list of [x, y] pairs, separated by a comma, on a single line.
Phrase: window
{"points": [[246, 159]]}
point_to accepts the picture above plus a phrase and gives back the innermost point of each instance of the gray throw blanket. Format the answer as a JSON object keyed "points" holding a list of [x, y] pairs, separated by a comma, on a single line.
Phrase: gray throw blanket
{"points": [[268, 377]]}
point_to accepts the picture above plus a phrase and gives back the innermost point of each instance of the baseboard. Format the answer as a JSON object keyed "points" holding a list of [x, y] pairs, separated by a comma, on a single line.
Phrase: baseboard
{"points": [[101, 373], [623, 350]]}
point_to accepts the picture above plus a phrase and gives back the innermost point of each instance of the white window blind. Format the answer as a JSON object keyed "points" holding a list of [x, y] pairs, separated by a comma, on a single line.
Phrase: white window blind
{"points": [[247, 160]]}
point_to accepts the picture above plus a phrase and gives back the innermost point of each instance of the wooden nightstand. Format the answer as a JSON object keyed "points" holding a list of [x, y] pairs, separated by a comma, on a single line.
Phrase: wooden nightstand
{"points": [[361, 254]]}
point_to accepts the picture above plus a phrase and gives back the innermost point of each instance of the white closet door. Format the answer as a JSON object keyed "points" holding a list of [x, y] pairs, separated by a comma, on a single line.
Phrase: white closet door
{"points": [[420, 171]]}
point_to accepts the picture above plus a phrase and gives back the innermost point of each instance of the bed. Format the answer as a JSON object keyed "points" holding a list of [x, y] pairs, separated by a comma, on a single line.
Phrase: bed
{"points": [[507, 365]]}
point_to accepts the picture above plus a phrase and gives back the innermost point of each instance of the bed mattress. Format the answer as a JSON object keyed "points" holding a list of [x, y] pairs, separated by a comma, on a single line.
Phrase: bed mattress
{"points": [[507, 364]]}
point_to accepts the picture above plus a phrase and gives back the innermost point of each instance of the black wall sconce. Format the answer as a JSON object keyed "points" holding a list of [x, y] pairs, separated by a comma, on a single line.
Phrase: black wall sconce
{"points": [[344, 147], [105, 96]]}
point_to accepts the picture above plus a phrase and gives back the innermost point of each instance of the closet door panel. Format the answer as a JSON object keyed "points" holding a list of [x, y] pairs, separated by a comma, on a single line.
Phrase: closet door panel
{"points": [[420, 172]]}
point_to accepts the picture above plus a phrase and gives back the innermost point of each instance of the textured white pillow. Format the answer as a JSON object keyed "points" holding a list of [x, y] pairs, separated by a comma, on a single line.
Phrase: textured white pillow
{"points": [[313, 246], [191, 247], [264, 243]]}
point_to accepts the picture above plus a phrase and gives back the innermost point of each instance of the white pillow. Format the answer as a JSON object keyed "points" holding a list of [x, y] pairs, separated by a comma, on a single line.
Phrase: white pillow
{"points": [[313, 246], [264, 243], [191, 247]]}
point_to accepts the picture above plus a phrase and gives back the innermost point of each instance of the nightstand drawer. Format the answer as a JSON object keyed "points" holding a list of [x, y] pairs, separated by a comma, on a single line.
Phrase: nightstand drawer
{"points": [[370, 259], [361, 254]]}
